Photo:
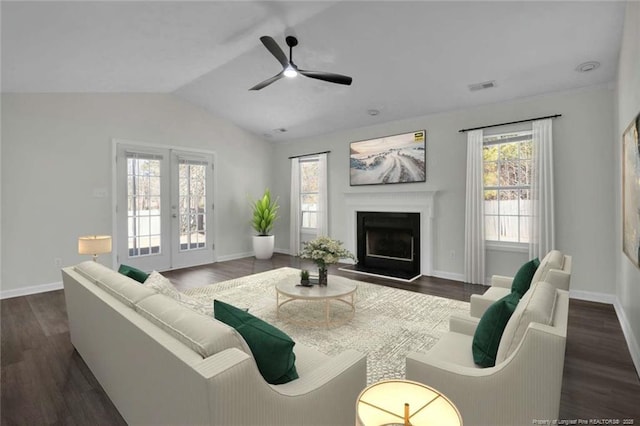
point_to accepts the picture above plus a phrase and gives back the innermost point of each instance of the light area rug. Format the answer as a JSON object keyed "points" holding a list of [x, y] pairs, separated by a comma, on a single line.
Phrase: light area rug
{"points": [[388, 322]]}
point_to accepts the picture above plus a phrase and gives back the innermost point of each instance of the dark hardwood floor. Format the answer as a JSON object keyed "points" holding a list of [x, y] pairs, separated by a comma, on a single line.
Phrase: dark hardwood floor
{"points": [[44, 380]]}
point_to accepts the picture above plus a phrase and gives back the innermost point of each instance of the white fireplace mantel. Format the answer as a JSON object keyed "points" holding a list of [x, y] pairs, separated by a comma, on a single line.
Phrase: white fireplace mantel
{"points": [[395, 201]]}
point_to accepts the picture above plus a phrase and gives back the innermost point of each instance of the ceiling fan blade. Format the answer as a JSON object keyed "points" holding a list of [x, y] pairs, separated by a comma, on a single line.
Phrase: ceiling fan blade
{"points": [[327, 76], [275, 50], [268, 81]]}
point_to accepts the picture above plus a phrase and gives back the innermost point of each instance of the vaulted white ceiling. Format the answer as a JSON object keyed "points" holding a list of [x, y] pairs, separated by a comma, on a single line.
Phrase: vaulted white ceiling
{"points": [[406, 58]]}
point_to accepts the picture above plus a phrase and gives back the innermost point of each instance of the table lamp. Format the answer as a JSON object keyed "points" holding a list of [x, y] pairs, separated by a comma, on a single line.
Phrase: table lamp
{"points": [[405, 403], [94, 245]]}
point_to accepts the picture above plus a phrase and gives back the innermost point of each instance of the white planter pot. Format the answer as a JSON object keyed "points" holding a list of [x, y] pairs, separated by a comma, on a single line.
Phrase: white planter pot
{"points": [[263, 246]]}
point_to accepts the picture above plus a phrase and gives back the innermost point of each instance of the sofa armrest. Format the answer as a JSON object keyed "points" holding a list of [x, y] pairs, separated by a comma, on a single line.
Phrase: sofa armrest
{"points": [[348, 362], [238, 395], [479, 304], [463, 324], [501, 281]]}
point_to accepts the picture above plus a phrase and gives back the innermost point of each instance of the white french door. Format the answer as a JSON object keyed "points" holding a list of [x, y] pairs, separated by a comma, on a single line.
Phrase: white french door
{"points": [[164, 208]]}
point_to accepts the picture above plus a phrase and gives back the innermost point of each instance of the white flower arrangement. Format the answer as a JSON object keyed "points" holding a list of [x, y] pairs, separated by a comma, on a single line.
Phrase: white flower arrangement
{"points": [[325, 251]]}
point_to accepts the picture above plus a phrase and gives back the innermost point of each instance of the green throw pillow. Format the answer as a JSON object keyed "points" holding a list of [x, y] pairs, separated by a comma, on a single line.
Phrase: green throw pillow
{"points": [[522, 280], [490, 328], [271, 348], [134, 273]]}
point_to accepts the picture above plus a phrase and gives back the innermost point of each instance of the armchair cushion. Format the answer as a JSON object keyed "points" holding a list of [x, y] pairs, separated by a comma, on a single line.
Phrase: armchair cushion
{"points": [[271, 348], [522, 279], [490, 329], [553, 260], [537, 305]]}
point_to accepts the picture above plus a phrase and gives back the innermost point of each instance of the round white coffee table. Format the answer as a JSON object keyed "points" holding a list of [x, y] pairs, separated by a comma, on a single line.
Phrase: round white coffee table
{"points": [[339, 289]]}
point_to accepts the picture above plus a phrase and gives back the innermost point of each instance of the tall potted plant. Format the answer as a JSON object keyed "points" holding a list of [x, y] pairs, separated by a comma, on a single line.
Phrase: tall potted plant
{"points": [[265, 213]]}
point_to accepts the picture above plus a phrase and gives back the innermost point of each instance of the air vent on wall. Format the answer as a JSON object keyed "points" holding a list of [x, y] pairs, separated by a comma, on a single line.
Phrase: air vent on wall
{"points": [[482, 86]]}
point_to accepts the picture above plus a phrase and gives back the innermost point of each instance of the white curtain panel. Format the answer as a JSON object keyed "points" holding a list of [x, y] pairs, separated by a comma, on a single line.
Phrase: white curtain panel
{"points": [[542, 222], [474, 245], [323, 202], [295, 213]]}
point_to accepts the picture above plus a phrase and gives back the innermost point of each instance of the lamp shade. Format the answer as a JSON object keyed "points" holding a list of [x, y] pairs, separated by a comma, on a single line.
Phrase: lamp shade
{"points": [[402, 402], [94, 244]]}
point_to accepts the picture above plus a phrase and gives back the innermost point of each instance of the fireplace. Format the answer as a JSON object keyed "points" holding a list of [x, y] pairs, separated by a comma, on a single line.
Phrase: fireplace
{"points": [[388, 244]]}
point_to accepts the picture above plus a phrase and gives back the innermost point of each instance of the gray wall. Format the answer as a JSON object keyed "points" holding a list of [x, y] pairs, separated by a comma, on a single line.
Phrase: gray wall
{"points": [[628, 105], [56, 150], [583, 167]]}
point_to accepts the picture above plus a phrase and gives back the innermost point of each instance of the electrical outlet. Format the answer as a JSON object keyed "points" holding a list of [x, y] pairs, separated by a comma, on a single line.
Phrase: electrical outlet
{"points": [[57, 262]]}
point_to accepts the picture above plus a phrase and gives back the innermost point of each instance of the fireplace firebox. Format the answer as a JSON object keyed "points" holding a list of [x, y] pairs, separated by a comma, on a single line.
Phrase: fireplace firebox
{"points": [[388, 244]]}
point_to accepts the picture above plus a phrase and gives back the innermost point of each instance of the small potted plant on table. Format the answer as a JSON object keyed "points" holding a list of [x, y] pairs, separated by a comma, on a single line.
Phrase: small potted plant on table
{"points": [[304, 278]]}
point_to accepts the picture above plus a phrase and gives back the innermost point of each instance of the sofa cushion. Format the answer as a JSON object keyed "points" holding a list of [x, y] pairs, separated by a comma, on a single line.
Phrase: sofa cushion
{"points": [[202, 333], [119, 286], [454, 348], [486, 339], [134, 273], [536, 305], [522, 279], [271, 348], [553, 260], [164, 286]]}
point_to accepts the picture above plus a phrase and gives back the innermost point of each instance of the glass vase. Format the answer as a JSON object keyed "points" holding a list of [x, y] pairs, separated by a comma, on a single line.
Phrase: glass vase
{"points": [[322, 276]]}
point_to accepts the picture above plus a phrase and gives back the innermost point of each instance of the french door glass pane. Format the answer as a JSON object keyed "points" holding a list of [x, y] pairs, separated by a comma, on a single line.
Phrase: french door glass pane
{"points": [[143, 206], [191, 204]]}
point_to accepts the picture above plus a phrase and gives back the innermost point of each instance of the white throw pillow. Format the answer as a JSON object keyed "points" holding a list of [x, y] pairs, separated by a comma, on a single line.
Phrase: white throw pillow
{"points": [[163, 286]]}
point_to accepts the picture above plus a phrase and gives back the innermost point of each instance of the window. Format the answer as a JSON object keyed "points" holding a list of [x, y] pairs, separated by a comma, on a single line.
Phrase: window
{"points": [[309, 192], [507, 186]]}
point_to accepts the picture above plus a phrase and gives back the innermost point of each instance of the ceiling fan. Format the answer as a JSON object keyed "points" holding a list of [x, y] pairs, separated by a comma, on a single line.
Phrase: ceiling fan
{"points": [[289, 69]]}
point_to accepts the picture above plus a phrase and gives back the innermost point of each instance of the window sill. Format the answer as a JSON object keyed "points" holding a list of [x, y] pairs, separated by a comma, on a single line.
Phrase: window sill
{"points": [[309, 231], [505, 246]]}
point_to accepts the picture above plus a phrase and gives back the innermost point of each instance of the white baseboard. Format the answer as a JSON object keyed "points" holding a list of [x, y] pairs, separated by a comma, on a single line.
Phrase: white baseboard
{"points": [[234, 256], [25, 291], [246, 254], [591, 296], [632, 343], [449, 275]]}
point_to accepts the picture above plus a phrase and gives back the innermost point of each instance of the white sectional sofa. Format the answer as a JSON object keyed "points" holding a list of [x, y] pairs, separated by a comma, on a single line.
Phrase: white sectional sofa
{"points": [[164, 364], [554, 268], [525, 383]]}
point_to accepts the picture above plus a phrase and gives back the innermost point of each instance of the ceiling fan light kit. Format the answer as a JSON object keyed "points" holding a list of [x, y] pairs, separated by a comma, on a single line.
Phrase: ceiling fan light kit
{"points": [[290, 69]]}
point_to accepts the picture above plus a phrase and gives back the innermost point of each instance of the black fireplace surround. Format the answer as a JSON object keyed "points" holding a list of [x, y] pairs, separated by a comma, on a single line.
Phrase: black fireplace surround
{"points": [[388, 244]]}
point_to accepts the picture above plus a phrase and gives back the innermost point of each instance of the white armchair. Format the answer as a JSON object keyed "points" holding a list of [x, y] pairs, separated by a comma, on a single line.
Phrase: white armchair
{"points": [[555, 268], [526, 381]]}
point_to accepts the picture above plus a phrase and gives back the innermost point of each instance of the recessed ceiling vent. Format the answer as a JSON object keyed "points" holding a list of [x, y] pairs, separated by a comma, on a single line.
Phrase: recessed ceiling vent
{"points": [[482, 86], [587, 66]]}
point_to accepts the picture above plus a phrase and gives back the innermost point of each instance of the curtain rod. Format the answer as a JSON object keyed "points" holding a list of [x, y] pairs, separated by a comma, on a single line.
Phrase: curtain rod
{"points": [[309, 155], [511, 122]]}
